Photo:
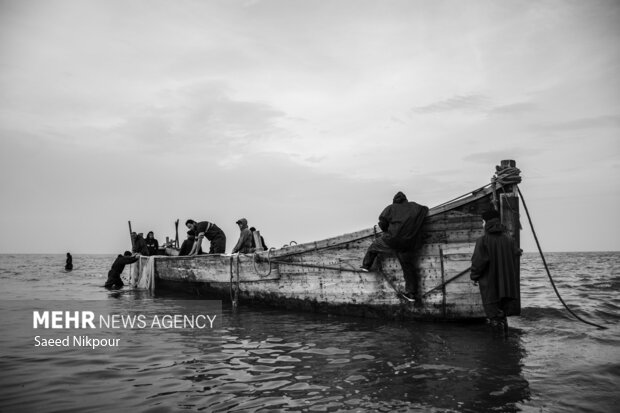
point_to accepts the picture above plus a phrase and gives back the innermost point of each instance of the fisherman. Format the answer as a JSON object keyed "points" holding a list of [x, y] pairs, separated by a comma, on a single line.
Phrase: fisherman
{"points": [[114, 281], [152, 244], [494, 269], [188, 244], [212, 232], [139, 245], [400, 222], [244, 244], [69, 263], [262, 240]]}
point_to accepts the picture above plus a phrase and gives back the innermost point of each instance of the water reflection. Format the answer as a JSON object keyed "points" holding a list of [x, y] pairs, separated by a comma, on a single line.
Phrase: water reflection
{"points": [[277, 360]]}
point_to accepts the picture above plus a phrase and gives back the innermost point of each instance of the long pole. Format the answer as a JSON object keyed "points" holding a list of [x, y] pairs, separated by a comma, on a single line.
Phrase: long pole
{"points": [[176, 240], [130, 234]]}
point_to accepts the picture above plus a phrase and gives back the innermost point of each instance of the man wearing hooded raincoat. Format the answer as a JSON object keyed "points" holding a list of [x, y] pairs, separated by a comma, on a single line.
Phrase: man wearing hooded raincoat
{"points": [[139, 245], [244, 245], [493, 267], [400, 222]]}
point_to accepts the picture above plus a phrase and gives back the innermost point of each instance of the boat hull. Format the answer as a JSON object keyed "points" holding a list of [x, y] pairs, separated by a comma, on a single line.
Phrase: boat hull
{"points": [[324, 276]]}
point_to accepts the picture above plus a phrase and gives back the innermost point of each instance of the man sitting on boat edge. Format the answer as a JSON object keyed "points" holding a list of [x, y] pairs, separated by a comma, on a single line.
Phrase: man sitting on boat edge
{"points": [[244, 244], [400, 222]]}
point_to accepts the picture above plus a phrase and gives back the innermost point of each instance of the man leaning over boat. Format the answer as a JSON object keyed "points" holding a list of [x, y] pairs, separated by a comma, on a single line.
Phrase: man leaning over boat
{"points": [[400, 222], [210, 231]]}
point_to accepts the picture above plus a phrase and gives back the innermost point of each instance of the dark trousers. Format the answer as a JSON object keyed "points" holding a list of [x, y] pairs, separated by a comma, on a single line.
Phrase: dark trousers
{"points": [[114, 281], [218, 245], [405, 258]]}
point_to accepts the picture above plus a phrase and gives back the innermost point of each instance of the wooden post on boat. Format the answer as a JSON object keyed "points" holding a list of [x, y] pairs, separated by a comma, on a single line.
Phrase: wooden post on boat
{"points": [[257, 241], [509, 212]]}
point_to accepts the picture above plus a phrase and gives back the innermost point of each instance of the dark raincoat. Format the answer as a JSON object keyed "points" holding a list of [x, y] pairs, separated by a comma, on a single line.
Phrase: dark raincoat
{"points": [[152, 244], [69, 263], [114, 275], [244, 244], [401, 222], [139, 246], [214, 234], [494, 267]]}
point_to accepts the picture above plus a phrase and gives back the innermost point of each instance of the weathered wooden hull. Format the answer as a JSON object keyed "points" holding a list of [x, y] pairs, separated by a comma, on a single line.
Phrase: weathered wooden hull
{"points": [[324, 275]]}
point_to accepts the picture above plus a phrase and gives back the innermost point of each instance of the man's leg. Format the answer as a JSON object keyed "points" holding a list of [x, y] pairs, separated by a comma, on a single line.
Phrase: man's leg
{"points": [[407, 262], [218, 245], [378, 246]]}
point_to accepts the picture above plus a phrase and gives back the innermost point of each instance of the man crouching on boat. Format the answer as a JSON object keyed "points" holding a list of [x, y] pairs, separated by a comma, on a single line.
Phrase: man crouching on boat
{"points": [[114, 281], [493, 268], [212, 232], [400, 222]]}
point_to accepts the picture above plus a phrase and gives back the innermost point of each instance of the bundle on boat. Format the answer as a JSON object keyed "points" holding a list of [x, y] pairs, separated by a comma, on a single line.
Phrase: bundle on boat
{"points": [[324, 275]]}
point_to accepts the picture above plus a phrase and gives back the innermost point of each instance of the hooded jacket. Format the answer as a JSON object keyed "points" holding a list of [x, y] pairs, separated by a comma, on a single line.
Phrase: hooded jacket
{"points": [[244, 245], [401, 222], [139, 245], [152, 244], [493, 264], [114, 275]]}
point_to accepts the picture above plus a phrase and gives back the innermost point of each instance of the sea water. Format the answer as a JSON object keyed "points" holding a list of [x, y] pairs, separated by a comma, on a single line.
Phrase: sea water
{"points": [[264, 359]]}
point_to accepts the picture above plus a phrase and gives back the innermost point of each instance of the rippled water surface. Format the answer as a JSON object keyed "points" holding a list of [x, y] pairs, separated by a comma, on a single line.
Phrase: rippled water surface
{"points": [[262, 359]]}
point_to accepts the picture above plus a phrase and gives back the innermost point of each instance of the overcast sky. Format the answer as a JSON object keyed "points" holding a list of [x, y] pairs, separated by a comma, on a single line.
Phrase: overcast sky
{"points": [[305, 117]]}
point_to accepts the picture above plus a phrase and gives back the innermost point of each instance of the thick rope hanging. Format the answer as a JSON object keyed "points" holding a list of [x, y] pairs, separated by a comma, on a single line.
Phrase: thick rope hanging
{"points": [[547, 268], [255, 258], [234, 289]]}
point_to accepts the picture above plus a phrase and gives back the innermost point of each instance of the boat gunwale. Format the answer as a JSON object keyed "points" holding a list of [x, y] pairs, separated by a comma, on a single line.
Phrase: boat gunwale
{"points": [[346, 238]]}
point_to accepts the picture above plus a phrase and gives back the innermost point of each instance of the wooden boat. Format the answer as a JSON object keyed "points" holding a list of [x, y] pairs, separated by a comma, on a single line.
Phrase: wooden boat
{"points": [[324, 275]]}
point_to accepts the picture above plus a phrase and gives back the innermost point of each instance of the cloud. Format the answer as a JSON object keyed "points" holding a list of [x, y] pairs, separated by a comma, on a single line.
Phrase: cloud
{"points": [[468, 103], [203, 115], [513, 109], [493, 157], [595, 122]]}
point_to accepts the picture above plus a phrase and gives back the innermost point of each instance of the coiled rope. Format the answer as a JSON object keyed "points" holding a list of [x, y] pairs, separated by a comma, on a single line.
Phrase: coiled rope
{"points": [[547, 268], [254, 259]]}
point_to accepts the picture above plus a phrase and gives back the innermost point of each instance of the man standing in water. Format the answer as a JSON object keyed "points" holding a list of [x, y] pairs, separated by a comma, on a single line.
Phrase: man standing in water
{"points": [[114, 275], [493, 268], [210, 231], [400, 222], [69, 262]]}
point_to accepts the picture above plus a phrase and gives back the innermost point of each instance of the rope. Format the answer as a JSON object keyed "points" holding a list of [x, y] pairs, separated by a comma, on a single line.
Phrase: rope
{"points": [[547, 268], [231, 279], [268, 260], [234, 296], [506, 175]]}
